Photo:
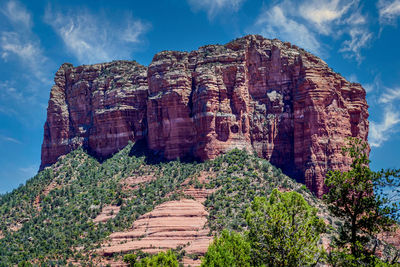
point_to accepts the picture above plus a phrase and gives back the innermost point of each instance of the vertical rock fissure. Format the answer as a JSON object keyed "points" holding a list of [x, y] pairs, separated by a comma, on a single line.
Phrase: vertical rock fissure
{"points": [[190, 103]]}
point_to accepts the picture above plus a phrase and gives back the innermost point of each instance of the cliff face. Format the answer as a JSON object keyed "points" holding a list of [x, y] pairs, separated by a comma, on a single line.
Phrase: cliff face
{"points": [[263, 95], [100, 107]]}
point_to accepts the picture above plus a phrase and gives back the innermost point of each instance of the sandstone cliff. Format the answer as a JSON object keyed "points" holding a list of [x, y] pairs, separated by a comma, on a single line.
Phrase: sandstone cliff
{"points": [[254, 93]]}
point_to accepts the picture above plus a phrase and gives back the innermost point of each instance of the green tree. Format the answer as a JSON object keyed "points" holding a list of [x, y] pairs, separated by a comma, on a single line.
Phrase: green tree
{"points": [[162, 259], [359, 197], [130, 259], [230, 249], [284, 230], [24, 264]]}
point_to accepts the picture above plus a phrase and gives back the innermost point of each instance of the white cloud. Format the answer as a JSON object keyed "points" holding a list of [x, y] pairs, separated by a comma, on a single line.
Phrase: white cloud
{"points": [[381, 132], [27, 49], [133, 31], [20, 41], [212, 7], [343, 16], [368, 87], [11, 42], [9, 92], [390, 95], [10, 139], [355, 18], [352, 78], [17, 14], [322, 13], [359, 39], [388, 10], [374, 86], [93, 38], [275, 22], [386, 100], [17, 100], [305, 22]]}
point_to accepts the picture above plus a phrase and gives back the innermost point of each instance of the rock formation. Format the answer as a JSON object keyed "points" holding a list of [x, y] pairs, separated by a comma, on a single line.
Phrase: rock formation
{"points": [[169, 225], [254, 93], [100, 107]]}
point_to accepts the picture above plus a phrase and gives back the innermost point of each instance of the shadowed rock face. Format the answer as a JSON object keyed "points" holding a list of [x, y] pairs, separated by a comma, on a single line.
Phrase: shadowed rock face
{"points": [[254, 93]]}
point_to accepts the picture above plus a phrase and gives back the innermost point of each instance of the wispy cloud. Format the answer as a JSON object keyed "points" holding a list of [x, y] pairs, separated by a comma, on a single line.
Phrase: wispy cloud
{"points": [[305, 22], [94, 38], [375, 85], [386, 100], [10, 139], [342, 16], [11, 93], [213, 7], [381, 132], [390, 96], [359, 39], [8, 91], [20, 42], [276, 22], [323, 13], [27, 50], [352, 78], [389, 10], [17, 14]]}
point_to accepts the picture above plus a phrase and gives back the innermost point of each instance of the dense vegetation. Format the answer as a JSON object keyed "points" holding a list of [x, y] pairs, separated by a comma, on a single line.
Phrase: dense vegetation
{"points": [[161, 259], [56, 227], [60, 228], [240, 178], [229, 249], [283, 230], [49, 220]]}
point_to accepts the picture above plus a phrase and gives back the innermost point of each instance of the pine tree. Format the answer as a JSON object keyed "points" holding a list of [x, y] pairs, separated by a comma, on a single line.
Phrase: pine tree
{"points": [[361, 198], [284, 230], [230, 249]]}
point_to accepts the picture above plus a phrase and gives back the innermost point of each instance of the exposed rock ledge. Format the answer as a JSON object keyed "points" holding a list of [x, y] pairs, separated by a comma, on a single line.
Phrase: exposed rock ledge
{"points": [[169, 225]]}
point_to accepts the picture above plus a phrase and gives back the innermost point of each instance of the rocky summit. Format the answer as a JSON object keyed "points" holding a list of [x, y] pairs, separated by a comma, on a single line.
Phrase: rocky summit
{"points": [[266, 96]]}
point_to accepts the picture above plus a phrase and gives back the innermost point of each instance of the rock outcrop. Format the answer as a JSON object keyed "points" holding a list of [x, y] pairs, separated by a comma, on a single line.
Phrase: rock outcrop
{"points": [[100, 107], [254, 93], [169, 225]]}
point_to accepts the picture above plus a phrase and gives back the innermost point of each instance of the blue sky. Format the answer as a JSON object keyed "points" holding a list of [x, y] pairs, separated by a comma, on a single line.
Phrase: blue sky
{"points": [[359, 39]]}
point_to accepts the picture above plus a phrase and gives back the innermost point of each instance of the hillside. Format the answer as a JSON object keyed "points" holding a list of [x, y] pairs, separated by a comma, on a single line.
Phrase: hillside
{"points": [[82, 211], [55, 216]]}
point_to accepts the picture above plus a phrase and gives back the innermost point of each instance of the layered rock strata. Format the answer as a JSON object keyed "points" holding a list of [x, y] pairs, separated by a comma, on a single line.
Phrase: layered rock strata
{"points": [[169, 225], [254, 93], [100, 107]]}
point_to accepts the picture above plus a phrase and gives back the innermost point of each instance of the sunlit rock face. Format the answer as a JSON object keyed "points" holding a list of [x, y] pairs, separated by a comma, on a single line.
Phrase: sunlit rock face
{"points": [[100, 107], [254, 93]]}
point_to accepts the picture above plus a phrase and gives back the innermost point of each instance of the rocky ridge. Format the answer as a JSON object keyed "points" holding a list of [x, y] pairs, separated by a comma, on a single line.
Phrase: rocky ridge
{"points": [[264, 95]]}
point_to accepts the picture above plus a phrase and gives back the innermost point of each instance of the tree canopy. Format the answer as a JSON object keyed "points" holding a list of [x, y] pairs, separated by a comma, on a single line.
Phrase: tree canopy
{"points": [[162, 259], [284, 230], [363, 199], [230, 249]]}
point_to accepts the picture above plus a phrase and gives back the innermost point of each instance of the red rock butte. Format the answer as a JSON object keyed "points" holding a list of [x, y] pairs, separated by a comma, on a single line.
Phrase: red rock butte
{"points": [[263, 95]]}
